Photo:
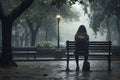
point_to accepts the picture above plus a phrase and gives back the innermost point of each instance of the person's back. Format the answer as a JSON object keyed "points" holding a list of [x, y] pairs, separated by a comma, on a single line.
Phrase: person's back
{"points": [[81, 38]]}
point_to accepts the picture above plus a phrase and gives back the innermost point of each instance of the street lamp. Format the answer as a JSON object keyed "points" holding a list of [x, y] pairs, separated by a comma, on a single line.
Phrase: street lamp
{"points": [[58, 16]]}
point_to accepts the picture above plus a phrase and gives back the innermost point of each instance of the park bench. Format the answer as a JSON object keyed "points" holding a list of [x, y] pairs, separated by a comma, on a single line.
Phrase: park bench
{"points": [[37, 54], [96, 48], [25, 51]]}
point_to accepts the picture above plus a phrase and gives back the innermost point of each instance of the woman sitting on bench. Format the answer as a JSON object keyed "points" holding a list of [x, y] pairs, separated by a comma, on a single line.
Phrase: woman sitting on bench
{"points": [[81, 38]]}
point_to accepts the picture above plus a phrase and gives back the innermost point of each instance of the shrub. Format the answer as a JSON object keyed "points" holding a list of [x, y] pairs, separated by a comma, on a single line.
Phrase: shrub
{"points": [[44, 44]]}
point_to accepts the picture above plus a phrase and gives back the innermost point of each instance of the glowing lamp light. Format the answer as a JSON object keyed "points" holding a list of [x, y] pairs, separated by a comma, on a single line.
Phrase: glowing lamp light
{"points": [[58, 16]]}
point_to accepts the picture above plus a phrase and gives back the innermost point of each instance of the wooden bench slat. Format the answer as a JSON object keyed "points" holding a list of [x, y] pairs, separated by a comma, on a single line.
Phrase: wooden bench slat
{"points": [[24, 51]]}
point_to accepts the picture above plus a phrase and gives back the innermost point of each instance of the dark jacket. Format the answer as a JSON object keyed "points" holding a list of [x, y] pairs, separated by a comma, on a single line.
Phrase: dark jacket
{"points": [[81, 44]]}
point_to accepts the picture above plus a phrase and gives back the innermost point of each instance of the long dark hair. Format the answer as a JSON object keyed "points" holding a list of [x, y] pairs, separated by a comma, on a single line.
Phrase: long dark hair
{"points": [[82, 29]]}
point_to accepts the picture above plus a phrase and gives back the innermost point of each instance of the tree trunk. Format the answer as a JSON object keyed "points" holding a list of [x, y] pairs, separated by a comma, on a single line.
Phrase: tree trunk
{"points": [[27, 40], [46, 35], [33, 31], [33, 37], [118, 28], [6, 57]]}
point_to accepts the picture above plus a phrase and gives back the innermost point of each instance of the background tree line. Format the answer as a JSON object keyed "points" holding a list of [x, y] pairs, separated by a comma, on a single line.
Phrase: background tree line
{"points": [[37, 22], [12, 11]]}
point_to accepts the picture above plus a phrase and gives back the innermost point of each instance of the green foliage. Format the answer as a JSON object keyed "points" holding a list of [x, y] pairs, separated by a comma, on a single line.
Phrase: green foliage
{"points": [[103, 10], [10, 5], [44, 44]]}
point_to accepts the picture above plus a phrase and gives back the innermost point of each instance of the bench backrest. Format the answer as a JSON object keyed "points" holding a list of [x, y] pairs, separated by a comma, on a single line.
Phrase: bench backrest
{"points": [[24, 49], [94, 46]]}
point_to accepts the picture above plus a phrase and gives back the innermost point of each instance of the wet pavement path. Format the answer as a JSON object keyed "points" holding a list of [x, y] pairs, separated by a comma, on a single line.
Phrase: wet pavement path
{"points": [[55, 70]]}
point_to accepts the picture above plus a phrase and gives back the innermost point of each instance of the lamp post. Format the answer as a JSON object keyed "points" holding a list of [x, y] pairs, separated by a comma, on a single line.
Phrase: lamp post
{"points": [[58, 16]]}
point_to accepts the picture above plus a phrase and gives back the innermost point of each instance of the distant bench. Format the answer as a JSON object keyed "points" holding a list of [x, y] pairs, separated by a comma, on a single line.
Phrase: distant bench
{"points": [[44, 54], [97, 48], [24, 51], [32, 53]]}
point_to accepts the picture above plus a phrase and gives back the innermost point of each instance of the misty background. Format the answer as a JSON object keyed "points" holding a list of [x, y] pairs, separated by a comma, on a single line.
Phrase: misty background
{"points": [[39, 24], [69, 28]]}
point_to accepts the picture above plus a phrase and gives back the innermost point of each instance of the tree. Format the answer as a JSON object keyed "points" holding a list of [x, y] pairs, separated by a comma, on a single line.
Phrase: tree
{"points": [[42, 16], [20, 34], [0, 36], [102, 13], [7, 21], [33, 31]]}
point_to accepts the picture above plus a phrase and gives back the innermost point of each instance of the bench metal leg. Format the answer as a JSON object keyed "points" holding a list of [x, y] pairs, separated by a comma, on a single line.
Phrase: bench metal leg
{"points": [[109, 63], [67, 68], [77, 60]]}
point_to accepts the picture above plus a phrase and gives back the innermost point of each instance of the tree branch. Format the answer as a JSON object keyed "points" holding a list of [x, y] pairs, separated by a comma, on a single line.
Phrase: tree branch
{"points": [[20, 9], [30, 25], [1, 11], [39, 24]]}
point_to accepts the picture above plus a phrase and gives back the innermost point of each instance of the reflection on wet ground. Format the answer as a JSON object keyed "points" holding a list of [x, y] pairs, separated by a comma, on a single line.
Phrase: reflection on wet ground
{"points": [[55, 70]]}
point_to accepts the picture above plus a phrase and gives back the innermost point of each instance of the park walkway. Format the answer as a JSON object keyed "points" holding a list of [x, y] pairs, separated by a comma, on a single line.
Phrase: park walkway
{"points": [[55, 70]]}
